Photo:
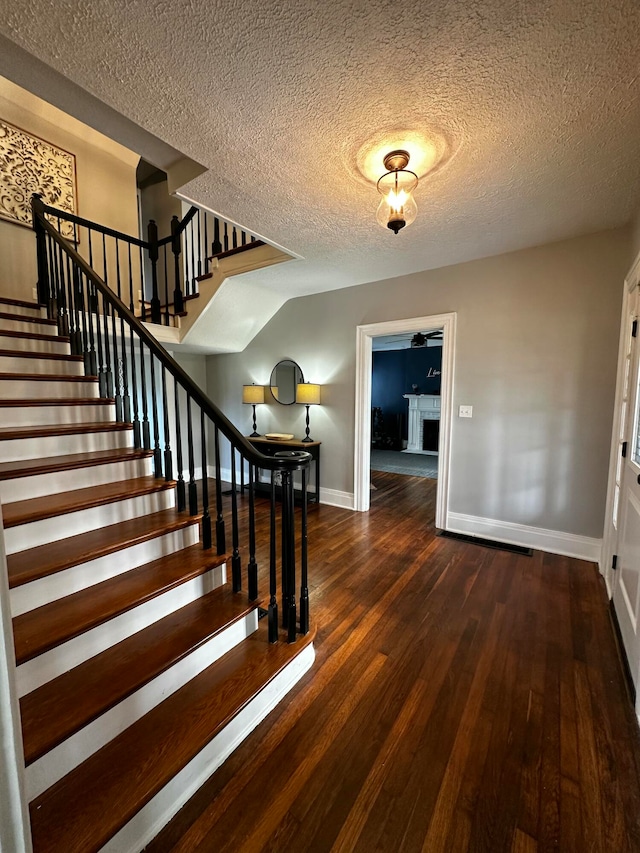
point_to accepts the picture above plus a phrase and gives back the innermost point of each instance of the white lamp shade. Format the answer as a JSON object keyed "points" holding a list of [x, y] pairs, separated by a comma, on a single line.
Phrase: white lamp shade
{"points": [[308, 394], [253, 394]]}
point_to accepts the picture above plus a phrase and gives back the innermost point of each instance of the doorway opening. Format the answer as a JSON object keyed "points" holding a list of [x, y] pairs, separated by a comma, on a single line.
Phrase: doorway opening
{"points": [[421, 406]]}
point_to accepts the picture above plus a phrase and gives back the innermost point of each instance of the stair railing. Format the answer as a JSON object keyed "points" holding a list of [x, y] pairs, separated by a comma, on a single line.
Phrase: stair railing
{"points": [[173, 418], [166, 270]]}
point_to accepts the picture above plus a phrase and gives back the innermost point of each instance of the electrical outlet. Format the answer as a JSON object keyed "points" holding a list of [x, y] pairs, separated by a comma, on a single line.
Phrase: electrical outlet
{"points": [[465, 412]]}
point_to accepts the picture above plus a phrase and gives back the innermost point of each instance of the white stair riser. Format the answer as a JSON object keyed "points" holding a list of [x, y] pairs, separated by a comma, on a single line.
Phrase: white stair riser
{"points": [[60, 347], [41, 447], [49, 665], [16, 416], [72, 523], [20, 364], [148, 822], [39, 485], [31, 311], [19, 325], [44, 590], [61, 760], [12, 389]]}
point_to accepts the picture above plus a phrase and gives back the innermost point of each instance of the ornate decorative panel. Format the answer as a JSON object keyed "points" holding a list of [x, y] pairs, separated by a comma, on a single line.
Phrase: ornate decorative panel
{"points": [[30, 165]]}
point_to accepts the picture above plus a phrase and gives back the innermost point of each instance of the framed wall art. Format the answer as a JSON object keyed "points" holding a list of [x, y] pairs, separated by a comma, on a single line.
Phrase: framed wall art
{"points": [[30, 165]]}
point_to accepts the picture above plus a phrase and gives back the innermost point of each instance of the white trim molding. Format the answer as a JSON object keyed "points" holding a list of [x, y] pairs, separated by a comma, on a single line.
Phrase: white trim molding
{"points": [[362, 443], [552, 541], [610, 538], [15, 832]]}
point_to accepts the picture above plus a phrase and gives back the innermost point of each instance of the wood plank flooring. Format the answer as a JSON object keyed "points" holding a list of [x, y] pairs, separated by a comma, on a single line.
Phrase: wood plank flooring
{"points": [[462, 699]]}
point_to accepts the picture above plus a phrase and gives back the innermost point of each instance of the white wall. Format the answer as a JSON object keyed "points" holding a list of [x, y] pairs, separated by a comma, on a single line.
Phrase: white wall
{"points": [[536, 357], [105, 175]]}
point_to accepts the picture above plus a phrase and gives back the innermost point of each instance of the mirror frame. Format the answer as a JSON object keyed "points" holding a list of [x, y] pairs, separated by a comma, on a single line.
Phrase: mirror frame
{"points": [[272, 379]]}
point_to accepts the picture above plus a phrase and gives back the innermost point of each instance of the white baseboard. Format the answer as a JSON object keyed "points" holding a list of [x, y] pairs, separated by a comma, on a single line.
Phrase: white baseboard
{"points": [[334, 497], [553, 541]]}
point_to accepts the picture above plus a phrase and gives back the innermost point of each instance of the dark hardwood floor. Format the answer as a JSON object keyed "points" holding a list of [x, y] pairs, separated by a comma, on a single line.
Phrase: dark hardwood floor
{"points": [[462, 699]]}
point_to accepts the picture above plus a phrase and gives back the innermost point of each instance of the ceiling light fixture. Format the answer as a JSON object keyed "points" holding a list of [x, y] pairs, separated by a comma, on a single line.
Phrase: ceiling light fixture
{"points": [[397, 208]]}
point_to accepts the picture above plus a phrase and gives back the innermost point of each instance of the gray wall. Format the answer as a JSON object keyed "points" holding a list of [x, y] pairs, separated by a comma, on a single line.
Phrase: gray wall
{"points": [[536, 357]]}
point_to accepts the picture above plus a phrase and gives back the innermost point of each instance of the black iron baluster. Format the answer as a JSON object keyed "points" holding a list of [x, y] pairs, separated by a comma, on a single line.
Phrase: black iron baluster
{"points": [[146, 432], [168, 461], [206, 518], [108, 376], [86, 323], [108, 381], [193, 258], [50, 279], [76, 337], [244, 238], [187, 262], [199, 245], [118, 377], [221, 545], [226, 237], [304, 579], [193, 491], [118, 275], [167, 317], [206, 243], [273, 581], [216, 246], [131, 281], [157, 453], [234, 237], [178, 298], [152, 234], [126, 399], [236, 568], [181, 496], [252, 568], [137, 432]]}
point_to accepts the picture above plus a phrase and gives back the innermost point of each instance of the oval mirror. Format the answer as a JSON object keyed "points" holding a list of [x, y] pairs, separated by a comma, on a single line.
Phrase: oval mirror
{"points": [[285, 376]]}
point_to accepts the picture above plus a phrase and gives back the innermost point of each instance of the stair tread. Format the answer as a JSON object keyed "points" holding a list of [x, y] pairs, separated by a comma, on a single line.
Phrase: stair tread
{"points": [[119, 779], [28, 467], [9, 433], [62, 707], [37, 336], [48, 626], [41, 356], [48, 377], [27, 318], [26, 402], [36, 509], [44, 560], [21, 303]]}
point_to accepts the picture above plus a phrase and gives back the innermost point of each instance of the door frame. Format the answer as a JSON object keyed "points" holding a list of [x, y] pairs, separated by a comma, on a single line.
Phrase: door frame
{"points": [[362, 442], [610, 537]]}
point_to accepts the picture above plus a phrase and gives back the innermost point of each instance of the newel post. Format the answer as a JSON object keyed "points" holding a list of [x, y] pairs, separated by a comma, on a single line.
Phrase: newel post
{"points": [[41, 250], [178, 299], [152, 236]]}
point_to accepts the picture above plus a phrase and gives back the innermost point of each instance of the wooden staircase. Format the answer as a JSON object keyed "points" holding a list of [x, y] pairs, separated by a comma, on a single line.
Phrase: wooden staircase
{"points": [[138, 670]]}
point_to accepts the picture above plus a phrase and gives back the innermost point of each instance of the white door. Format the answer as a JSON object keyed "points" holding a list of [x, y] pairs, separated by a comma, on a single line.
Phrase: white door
{"points": [[626, 503]]}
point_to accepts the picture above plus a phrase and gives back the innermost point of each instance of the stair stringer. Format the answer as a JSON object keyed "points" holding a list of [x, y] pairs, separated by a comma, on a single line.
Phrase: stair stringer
{"points": [[148, 822], [15, 831]]}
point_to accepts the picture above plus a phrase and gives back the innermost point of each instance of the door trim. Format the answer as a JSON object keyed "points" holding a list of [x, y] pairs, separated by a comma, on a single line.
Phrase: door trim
{"points": [[362, 442], [610, 537]]}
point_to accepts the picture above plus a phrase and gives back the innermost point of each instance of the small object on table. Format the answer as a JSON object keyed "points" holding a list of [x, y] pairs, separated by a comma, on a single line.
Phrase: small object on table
{"points": [[278, 436]]}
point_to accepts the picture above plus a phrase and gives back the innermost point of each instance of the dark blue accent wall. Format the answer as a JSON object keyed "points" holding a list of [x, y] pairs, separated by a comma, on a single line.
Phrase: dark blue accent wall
{"points": [[394, 372]]}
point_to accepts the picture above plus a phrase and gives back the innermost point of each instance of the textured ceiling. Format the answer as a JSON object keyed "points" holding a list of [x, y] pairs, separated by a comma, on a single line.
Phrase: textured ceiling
{"points": [[537, 102]]}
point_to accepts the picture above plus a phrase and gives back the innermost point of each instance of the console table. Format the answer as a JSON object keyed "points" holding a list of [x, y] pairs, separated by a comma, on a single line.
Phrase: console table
{"points": [[270, 447]]}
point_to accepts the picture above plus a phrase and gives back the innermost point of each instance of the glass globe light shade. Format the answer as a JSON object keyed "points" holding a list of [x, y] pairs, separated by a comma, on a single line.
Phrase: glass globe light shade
{"points": [[398, 208]]}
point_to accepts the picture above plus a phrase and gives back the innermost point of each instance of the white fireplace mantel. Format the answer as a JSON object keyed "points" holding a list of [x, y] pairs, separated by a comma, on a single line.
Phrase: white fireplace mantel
{"points": [[422, 407]]}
